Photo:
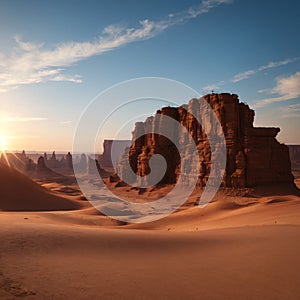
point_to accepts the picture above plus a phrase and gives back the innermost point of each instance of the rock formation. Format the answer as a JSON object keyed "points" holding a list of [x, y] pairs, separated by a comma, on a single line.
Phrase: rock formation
{"points": [[94, 168], [33, 164], [105, 159], [51, 163], [254, 156], [69, 162], [82, 164], [41, 166], [295, 155]]}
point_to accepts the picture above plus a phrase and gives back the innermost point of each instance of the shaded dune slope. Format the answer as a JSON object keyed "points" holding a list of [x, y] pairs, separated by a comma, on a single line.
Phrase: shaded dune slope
{"points": [[19, 193]]}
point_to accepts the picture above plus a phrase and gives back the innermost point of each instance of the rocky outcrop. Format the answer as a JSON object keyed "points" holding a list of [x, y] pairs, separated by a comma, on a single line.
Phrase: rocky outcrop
{"points": [[117, 146], [295, 155], [41, 166], [42, 171], [93, 168], [52, 163], [254, 156], [69, 161]]}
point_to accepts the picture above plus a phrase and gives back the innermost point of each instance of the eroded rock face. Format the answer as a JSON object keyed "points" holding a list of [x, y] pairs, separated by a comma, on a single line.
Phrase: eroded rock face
{"points": [[105, 159], [41, 166], [69, 161], [295, 155], [254, 156]]}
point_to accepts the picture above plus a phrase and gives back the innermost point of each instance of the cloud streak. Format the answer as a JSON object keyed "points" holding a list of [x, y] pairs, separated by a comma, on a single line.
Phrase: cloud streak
{"points": [[243, 75], [212, 87], [31, 63], [247, 74], [23, 119], [65, 123], [291, 111], [287, 88], [18, 137]]}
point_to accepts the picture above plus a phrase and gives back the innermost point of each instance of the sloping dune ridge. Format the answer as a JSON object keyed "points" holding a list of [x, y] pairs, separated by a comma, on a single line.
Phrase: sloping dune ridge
{"points": [[19, 193]]}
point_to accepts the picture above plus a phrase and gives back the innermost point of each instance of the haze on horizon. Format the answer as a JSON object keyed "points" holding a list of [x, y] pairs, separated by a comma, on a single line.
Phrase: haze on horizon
{"points": [[55, 57]]}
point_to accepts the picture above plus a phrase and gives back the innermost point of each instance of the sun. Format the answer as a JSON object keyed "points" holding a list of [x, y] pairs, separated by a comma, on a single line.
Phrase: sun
{"points": [[3, 143]]}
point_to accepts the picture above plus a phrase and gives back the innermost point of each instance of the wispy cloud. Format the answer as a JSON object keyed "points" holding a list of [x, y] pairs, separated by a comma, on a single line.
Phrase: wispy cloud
{"points": [[243, 75], [272, 65], [26, 46], [291, 111], [23, 119], [287, 88], [23, 137], [247, 74], [65, 123], [212, 87], [33, 63]]}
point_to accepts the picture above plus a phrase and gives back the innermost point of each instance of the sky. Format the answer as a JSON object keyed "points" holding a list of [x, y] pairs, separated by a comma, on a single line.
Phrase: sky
{"points": [[56, 56]]}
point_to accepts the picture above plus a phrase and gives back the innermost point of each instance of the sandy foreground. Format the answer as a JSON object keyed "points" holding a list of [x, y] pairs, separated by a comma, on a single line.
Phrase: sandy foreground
{"points": [[224, 251], [234, 248]]}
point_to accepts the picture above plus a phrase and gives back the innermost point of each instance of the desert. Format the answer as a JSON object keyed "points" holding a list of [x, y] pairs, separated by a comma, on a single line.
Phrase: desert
{"points": [[55, 245], [235, 248], [149, 150]]}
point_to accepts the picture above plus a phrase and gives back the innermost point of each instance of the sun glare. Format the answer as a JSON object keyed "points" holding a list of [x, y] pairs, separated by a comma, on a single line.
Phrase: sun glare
{"points": [[3, 143]]}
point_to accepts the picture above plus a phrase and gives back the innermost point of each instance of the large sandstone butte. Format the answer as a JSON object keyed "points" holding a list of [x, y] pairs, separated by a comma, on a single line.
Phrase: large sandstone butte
{"points": [[254, 156]]}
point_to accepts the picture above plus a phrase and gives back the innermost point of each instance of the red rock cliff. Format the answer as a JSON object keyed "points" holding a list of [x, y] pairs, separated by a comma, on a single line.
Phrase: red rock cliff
{"points": [[254, 156]]}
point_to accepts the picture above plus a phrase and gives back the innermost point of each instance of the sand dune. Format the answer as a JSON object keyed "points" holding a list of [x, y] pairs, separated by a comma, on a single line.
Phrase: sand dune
{"points": [[224, 251], [83, 262], [234, 248], [19, 193]]}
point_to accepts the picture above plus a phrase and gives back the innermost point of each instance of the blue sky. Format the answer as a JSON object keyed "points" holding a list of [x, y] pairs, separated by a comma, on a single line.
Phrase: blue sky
{"points": [[55, 56]]}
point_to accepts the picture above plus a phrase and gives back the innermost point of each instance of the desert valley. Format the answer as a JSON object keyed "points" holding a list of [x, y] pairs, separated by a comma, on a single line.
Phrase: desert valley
{"points": [[149, 150], [242, 245]]}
